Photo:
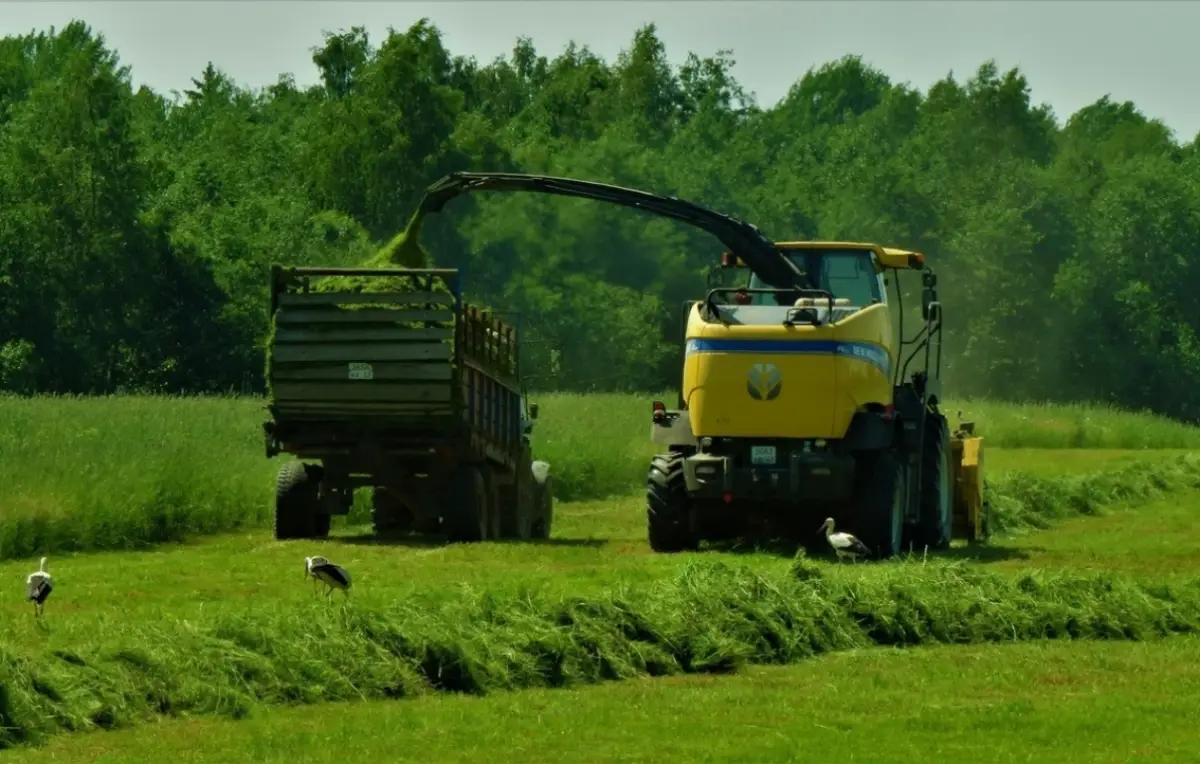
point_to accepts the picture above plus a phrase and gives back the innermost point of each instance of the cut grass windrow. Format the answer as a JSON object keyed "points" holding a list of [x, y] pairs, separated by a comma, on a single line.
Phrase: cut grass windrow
{"points": [[1020, 501], [712, 618]]}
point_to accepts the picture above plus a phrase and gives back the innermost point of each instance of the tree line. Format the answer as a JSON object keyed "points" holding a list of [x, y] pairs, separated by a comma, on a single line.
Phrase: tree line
{"points": [[137, 228]]}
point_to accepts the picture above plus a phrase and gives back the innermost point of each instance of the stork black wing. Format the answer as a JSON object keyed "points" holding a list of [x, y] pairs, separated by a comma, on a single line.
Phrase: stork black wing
{"points": [[741, 238], [39, 589], [858, 546], [334, 573]]}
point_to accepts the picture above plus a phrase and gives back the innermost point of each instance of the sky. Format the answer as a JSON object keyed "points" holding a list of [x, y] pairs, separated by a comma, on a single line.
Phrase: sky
{"points": [[1072, 52]]}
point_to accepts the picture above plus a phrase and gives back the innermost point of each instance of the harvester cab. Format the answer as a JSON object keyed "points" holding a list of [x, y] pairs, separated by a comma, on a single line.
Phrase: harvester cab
{"points": [[806, 400]]}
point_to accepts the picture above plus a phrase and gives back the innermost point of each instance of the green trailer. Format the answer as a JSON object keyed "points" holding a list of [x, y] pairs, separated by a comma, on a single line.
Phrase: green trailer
{"points": [[406, 390]]}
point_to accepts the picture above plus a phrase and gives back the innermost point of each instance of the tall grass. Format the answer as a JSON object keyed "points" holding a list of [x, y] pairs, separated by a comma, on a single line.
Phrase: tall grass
{"points": [[117, 472], [713, 617]]}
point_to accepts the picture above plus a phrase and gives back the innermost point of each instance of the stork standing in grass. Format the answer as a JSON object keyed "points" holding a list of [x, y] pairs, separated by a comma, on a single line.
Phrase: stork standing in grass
{"points": [[333, 576], [844, 544], [309, 563], [38, 587]]}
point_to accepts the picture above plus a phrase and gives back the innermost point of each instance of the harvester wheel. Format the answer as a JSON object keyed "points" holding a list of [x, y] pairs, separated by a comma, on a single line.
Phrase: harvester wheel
{"points": [[881, 493], [669, 514], [297, 489], [465, 513], [543, 509], [934, 525]]}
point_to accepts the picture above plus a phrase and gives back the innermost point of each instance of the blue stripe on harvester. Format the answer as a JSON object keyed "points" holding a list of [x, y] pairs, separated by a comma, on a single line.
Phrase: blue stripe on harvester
{"points": [[863, 351]]}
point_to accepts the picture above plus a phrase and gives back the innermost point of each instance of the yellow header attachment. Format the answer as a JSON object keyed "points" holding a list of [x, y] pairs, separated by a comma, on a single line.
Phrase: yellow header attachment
{"points": [[886, 257]]}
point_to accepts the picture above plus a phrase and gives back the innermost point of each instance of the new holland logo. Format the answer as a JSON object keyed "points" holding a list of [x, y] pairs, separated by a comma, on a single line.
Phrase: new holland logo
{"points": [[764, 381]]}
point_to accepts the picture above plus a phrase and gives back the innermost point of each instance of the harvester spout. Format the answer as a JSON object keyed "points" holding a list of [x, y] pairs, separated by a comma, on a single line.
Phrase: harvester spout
{"points": [[743, 239]]}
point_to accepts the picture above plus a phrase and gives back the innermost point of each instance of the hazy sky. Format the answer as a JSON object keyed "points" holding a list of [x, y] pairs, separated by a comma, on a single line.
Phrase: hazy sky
{"points": [[1072, 52]]}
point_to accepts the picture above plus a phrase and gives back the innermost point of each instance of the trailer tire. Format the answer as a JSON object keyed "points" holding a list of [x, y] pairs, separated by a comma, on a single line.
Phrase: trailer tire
{"points": [[670, 519], [935, 522], [519, 501], [492, 495], [465, 512], [881, 491], [297, 493], [388, 514], [542, 506]]}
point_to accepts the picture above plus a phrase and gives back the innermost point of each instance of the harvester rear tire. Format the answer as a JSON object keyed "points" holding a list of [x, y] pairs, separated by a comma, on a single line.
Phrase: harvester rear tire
{"points": [[669, 516], [465, 516], [935, 523], [881, 490], [297, 492]]}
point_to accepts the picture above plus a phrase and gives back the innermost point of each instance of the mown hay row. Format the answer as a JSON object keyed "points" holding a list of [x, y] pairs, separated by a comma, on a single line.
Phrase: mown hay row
{"points": [[712, 618], [1020, 501]]}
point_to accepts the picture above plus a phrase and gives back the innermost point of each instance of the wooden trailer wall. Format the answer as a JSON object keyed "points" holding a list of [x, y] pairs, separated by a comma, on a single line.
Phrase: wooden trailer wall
{"points": [[406, 358]]}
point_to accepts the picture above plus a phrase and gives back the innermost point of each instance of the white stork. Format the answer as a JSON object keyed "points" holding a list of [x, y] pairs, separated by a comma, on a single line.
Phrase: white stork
{"points": [[38, 587], [844, 544], [309, 564], [333, 576]]}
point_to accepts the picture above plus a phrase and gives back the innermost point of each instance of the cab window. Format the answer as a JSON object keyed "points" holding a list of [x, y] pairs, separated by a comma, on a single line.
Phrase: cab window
{"points": [[845, 273]]}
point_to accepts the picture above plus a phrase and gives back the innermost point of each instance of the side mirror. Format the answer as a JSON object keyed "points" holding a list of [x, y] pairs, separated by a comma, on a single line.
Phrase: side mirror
{"points": [[928, 293], [533, 409]]}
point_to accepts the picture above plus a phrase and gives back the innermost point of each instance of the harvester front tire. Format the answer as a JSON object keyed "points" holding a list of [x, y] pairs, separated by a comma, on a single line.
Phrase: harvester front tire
{"points": [[669, 516], [881, 490], [466, 510], [297, 492], [935, 523]]}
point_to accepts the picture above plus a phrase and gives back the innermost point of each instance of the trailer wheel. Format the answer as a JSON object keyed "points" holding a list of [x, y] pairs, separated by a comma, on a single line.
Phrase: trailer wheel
{"points": [[493, 508], [669, 517], [296, 497], [465, 512], [519, 501], [542, 508], [881, 494], [388, 514], [934, 525]]}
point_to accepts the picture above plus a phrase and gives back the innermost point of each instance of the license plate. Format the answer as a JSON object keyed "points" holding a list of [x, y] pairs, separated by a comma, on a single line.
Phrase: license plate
{"points": [[362, 371], [762, 454]]}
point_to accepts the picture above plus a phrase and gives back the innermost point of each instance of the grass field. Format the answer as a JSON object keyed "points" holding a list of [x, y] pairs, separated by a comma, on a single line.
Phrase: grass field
{"points": [[1099, 702], [121, 472], [225, 626]]}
